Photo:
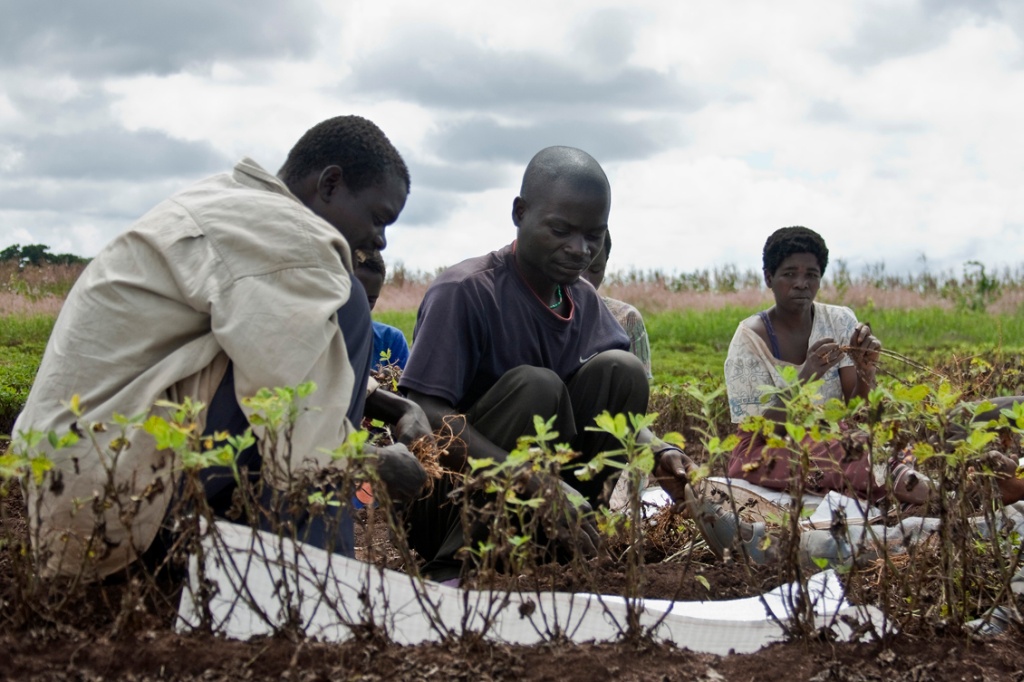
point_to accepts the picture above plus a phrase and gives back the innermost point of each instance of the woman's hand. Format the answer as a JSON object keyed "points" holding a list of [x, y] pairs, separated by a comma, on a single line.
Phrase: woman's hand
{"points": [[864, 349], [821, 357]]}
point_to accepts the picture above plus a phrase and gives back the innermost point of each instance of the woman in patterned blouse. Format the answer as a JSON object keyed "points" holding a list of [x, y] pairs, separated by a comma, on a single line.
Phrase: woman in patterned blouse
{"points": [[824, 343]]}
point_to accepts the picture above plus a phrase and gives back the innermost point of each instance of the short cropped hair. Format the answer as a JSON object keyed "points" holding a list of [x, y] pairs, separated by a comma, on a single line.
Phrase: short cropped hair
{"points": [[372, 261], [363, 151], [786, 241]]}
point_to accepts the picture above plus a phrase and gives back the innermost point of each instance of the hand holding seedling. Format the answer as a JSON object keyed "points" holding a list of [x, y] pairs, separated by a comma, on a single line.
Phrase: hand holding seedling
{"points": [[822, 356], [401, 472], [412, 426], [864, 348]]}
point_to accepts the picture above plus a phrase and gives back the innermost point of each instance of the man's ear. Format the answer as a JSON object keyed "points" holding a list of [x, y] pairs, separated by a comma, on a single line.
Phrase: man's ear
{"points": [[331, 181], [767, 279], [518, 208]]}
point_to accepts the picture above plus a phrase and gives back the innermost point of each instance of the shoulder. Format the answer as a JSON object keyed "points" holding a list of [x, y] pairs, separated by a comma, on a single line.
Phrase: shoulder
{"points": [[750, 334], [258, 227], [623, 312], [617, 306], [473, 272], [755, 324], [835, 314]]}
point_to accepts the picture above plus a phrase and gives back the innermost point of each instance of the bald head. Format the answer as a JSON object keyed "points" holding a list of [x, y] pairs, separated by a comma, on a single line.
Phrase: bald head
{"points": [[567, 167], [561, 216]]}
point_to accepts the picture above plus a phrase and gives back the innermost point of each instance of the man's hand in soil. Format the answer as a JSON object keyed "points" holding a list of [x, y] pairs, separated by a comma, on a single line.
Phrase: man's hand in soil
{"points": [[672, 469], [575, 531], [401, 472]]}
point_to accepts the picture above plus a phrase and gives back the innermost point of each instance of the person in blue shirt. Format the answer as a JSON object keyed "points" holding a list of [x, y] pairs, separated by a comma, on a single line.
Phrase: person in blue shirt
{"points": [[389, 344]]}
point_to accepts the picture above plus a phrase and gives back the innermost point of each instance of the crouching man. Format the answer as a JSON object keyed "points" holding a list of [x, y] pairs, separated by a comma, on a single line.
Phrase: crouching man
{"points": [[515, 333], [240, 282]]}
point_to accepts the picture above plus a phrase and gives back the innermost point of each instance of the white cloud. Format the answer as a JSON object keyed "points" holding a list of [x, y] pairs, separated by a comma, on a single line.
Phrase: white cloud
{"points": [[889, 127]]}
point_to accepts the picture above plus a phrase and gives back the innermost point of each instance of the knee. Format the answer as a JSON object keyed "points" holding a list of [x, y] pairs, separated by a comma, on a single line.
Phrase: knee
{"points": [[620, 361], [615, 368], [537, 386]]}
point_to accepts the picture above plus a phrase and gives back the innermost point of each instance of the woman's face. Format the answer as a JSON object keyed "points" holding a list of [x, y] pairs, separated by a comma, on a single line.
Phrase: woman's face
{"points": [[795, 282]]}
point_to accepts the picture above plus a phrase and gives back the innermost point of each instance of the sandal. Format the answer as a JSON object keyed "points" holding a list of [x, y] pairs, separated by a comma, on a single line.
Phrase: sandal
{"points": [[726, 534], [909, 485]]}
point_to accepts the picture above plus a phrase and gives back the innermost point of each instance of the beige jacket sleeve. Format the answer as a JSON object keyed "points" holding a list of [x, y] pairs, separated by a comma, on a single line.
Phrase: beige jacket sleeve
{"points": [[281, 329]]}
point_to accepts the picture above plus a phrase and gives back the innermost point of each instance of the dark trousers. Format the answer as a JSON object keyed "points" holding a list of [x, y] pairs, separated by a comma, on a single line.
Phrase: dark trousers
{"points": [[333, 529], [614, 381]]}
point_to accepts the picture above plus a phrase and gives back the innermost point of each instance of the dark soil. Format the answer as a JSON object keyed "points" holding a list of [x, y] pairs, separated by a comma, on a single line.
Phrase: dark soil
{"points": [[95, 639], [163, 655]]}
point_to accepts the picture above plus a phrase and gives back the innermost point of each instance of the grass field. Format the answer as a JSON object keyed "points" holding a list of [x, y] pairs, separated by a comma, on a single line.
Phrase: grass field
{"points": [[695, 342], [689, 329], [684, 343]]}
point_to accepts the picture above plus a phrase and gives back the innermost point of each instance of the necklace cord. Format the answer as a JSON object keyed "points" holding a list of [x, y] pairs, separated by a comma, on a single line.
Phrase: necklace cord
{"points": [[558, 292]]}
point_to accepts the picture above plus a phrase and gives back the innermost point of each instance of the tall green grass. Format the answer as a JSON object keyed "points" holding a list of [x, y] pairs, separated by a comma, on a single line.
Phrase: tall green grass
{"points": [[22, 341], [403, 319], [684, 343], [692, 343]]}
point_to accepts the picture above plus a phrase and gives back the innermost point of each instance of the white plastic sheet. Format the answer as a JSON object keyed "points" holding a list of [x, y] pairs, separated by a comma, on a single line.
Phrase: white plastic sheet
{"points": [[328, 596]]}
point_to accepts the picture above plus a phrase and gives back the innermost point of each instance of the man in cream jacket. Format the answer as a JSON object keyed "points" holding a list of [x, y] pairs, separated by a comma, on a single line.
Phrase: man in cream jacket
{"points": [[229, 286]]}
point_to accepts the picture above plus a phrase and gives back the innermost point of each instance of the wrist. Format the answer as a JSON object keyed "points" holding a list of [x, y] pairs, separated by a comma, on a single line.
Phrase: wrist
{"points": [[662, 448]]}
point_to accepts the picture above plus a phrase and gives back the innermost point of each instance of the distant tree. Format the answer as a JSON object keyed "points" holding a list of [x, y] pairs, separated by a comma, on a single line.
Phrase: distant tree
{"points": [[65, 259], [38, 254], [12, 252], [34, 254]]}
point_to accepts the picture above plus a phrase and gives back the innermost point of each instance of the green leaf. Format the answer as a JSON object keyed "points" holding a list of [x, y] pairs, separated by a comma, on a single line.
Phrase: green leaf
{"points": [[796, 432], [306, 389], [979, 438], [166, 434], [674, 438], [911, 395], [645, 460], [40, 465], [481, 463]]}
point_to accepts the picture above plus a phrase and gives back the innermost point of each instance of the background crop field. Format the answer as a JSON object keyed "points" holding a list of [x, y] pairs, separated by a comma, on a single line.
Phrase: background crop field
{"points": [[694, 342], [938, 322]]}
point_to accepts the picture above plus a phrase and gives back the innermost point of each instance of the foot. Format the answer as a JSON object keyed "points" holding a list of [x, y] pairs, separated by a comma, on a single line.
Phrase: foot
{"points": [[727, 534], [995, 622], [1011, 488], [909, 485]]}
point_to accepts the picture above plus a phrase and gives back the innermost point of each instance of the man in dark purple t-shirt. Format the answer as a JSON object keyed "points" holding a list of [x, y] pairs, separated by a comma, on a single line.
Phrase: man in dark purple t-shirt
{"points": [[490, 321], [516, 333]]}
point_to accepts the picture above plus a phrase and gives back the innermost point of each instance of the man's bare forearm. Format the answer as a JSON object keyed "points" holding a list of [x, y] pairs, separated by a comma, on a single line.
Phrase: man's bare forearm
{"points": [[386, 406]]}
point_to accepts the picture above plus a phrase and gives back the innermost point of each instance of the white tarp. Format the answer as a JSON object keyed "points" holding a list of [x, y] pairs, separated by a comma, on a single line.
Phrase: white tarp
{"points": [[252, 574]]}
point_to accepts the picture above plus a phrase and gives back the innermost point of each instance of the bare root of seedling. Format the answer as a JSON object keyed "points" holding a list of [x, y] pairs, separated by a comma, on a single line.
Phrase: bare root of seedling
{"points": [[431, 450]]}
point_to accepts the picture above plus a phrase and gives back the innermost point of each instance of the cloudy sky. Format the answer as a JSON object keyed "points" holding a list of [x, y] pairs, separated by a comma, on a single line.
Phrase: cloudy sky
{"points": [[890, 127]]}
